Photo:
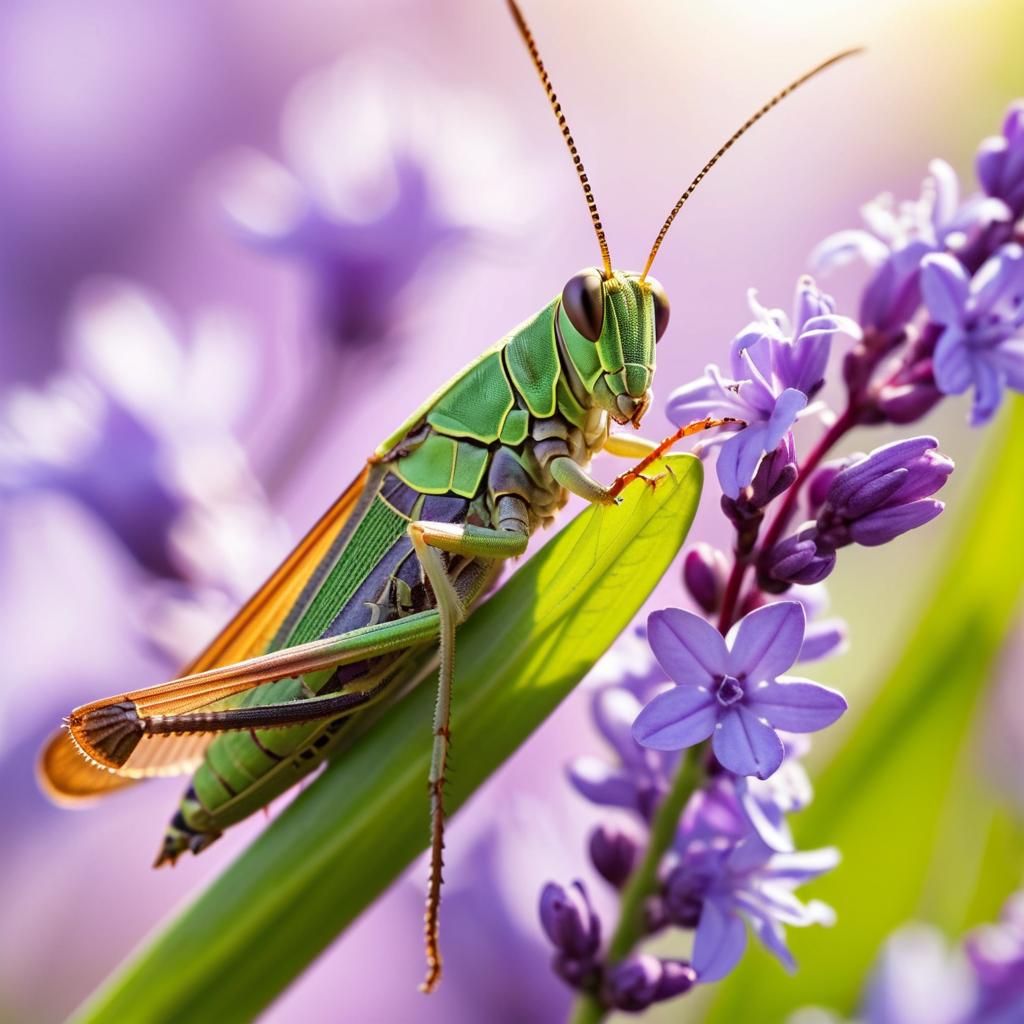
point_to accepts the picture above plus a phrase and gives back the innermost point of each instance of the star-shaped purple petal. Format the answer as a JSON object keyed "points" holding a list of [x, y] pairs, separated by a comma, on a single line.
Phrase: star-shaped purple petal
{"points": [[733, 688]]}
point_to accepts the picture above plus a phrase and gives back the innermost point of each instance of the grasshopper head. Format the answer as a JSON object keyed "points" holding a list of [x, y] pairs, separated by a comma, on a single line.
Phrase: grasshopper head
{"points": [[609, 327]]}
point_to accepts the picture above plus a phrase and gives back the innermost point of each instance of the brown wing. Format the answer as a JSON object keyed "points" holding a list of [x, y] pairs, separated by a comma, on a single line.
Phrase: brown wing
{"points": [[67, 775]]}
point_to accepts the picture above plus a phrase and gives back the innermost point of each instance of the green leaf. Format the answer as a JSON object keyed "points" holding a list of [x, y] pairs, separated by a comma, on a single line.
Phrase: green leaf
{"points": [[291, 893], [921, 832]]}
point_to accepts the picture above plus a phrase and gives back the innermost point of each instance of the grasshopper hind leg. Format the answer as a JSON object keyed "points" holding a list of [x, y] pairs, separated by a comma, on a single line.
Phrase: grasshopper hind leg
{"points": [[430, 540]]}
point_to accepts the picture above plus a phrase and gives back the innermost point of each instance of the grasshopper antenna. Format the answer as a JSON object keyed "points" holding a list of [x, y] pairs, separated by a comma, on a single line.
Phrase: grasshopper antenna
{"points": [[588, 192], [741, 131]]}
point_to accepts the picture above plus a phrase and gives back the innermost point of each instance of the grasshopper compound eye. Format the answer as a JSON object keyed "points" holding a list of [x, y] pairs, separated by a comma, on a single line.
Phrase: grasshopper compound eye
{"points": [[583, 302], [661, 308]]}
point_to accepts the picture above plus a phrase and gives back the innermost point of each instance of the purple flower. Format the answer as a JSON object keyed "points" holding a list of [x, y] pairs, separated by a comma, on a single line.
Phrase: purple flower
{"points": [[766, 803], [640, 778], [919, 980], [800, 353], [734, 807], [898, 238], [642, 979], [726, 883], [996, 954], [982, 344], [1000, 161], [775, 369], [365, 220], [732, 688], [138, 430]]}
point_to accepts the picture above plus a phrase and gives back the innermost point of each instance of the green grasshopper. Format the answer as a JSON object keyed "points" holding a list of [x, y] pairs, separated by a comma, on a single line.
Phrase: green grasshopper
{"points": [[357, 611]]}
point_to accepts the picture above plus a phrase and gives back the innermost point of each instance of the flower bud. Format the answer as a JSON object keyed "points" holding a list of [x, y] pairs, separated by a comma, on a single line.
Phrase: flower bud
{"points": [[633, 984], [569, 920], [677, 977], [820, 482], [907, 403], [776, 474], [804, 558], [704, 573], [884, 494], [888, 523], [856, 489], [614, 853], [1000, 162], [642, 979], [683, 898]]}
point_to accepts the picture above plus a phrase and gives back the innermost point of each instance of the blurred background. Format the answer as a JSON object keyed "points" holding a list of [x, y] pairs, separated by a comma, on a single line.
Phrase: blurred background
{"points": [[240, 241]]}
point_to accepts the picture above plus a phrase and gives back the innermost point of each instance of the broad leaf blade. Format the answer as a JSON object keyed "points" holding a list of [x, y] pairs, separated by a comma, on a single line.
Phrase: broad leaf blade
{"points": [[922, 835], [262, 922]]}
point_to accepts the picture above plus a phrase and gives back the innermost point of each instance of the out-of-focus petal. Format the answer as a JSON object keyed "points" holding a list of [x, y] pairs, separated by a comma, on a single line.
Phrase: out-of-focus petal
{"points": [[602, 784], [1008, 357], [772, 936], [823, 639], [988, 392], [998, 286], [845, 246], [615, 710], [719, 943], [945, 287], [952, 364]]}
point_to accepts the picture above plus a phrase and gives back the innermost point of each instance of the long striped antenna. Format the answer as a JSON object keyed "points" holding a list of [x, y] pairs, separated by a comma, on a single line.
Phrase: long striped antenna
{"points": [[741, 131], [588, 192]]}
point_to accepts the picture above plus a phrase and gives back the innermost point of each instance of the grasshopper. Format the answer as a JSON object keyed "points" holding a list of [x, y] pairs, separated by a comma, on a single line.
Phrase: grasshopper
{"points": [[371, 598]]}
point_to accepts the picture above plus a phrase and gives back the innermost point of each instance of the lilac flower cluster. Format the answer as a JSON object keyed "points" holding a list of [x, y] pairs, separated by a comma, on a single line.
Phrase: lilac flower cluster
{"points": [[943, 313], [919, 978]]}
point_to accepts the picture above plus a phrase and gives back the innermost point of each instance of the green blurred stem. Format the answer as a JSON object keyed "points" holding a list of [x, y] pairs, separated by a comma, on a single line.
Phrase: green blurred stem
{"points": [[643, 883]]}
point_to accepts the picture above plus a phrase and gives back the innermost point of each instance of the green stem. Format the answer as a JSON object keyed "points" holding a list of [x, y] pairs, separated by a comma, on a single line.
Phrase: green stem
{"points": [[643, 883]]}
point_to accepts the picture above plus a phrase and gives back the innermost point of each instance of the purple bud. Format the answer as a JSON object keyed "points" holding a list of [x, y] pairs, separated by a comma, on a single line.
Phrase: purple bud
{"points": [[632, 985], [776, 474], [820, 482], [1000, 161], [881, 495], [614, 853], [888, 523], [804, 558], [894, 474], [655, 915], [683, 898], [677, 977], [704, 572], [569, 920], [907, 403], [642, 979], [582, 974]]}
